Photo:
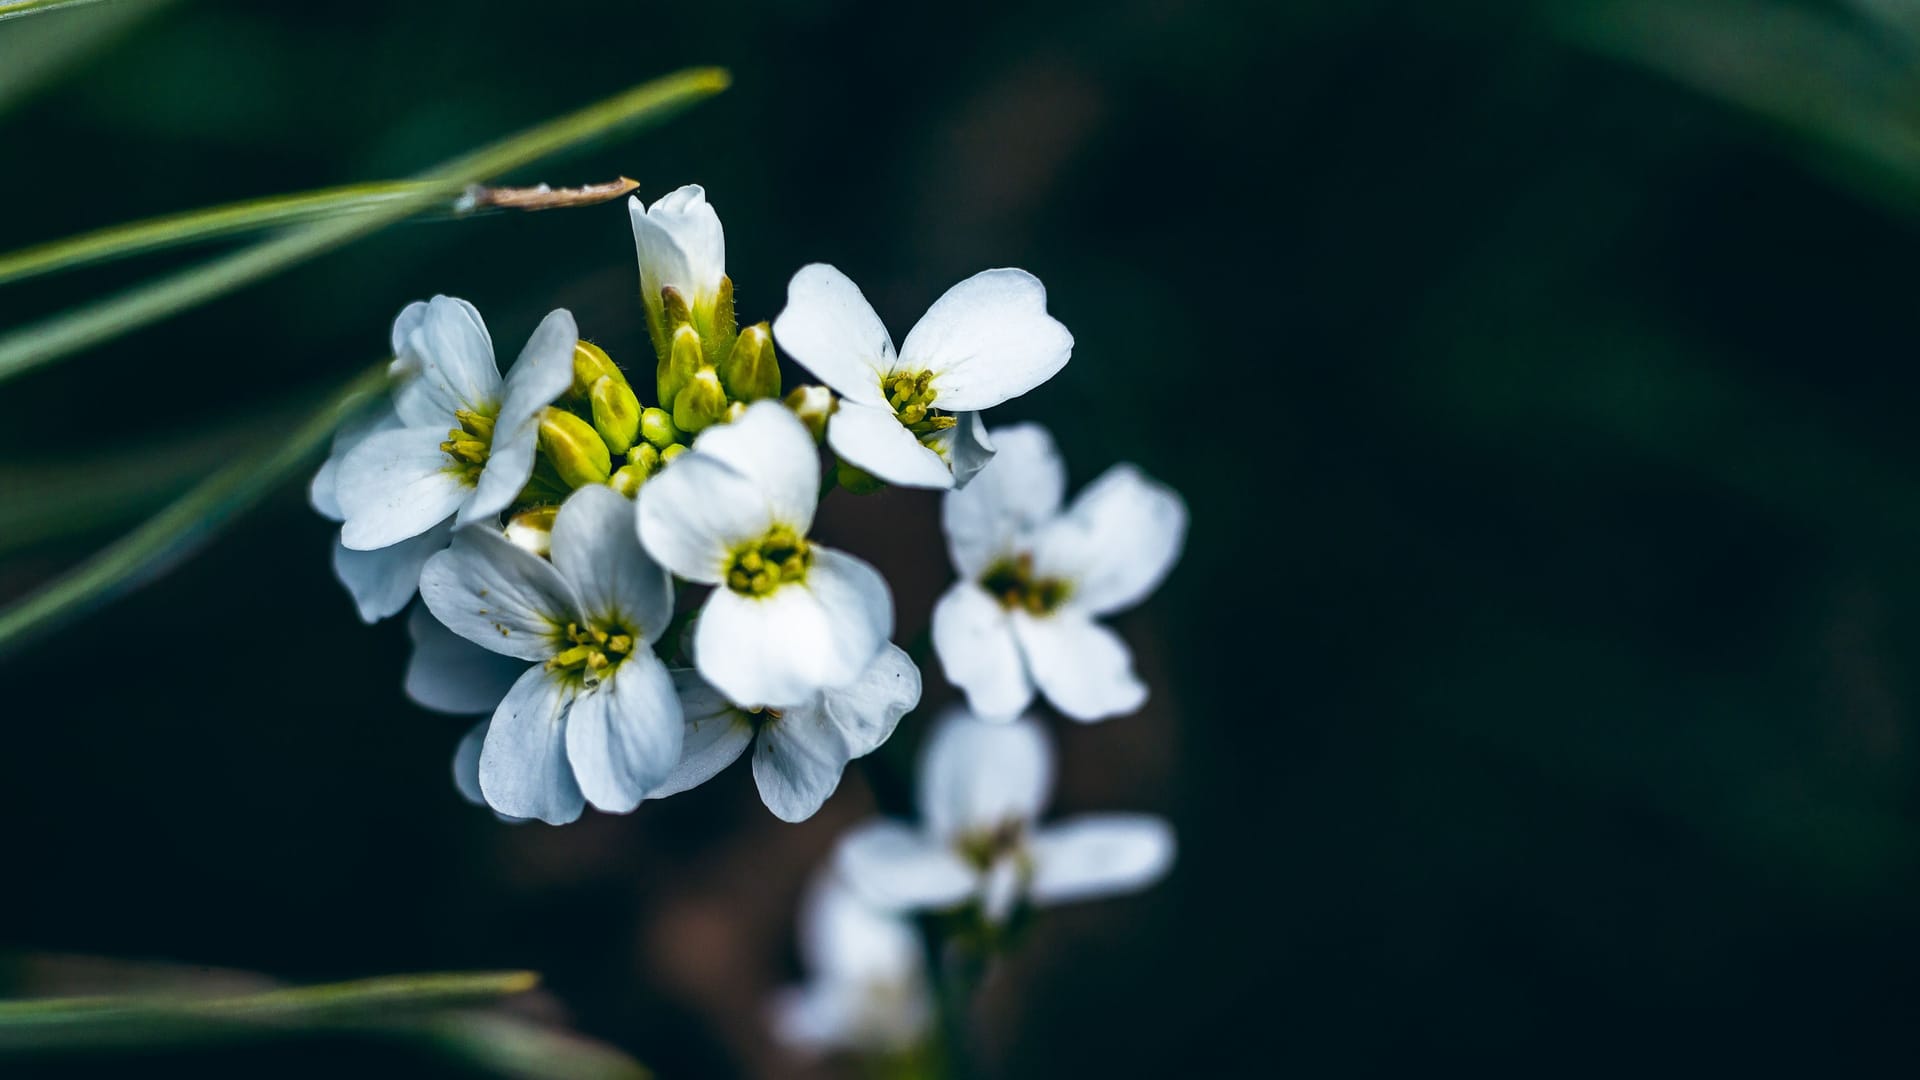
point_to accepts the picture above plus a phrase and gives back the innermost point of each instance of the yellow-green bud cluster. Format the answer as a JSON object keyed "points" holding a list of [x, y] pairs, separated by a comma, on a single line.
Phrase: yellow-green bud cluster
{"points": [[706, 363]]}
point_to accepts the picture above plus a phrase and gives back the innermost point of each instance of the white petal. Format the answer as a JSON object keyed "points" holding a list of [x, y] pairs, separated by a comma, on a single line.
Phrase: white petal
{"points": [[976, 775], [716, 734], [395, 485], [449, 674], [497, 596], [771, 448], [466, 763], [597, 550], [443, 362], [802, 638], [845, 938], [873, 438], [1097, 855], [973, 636], [624, 734], [523, 765], [358, 428], [966, 447], [1021, 490], [868, 709], [696, 512], [381, 581], [797, 762], [897, 868], [988, 339], [543, 372], [1083, 667], [680, 243], [1116, 542], [829, 328]]}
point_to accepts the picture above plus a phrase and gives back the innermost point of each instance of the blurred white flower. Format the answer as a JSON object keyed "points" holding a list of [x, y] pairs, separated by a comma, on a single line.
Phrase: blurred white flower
{"points": [[981, 788], [1033, 579], [907, 418], [382, 580], [800, 751], [680, 244], [866, 989], [596, 719], [465, 439], [788, 617]]}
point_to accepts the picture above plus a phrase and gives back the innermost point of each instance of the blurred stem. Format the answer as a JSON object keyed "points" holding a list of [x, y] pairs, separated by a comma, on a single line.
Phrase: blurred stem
{"points": [[190, 519], [14, 9], [959, 970], [91, 324], [195, 226]]}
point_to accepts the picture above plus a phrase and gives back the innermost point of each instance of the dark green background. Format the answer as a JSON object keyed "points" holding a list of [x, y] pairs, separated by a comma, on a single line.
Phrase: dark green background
{"points": [[1536, 691]]}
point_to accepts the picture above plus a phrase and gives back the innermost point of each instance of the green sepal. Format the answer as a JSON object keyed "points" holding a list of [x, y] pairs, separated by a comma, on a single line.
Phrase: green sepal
{"points": [[574, 448], [718, 335], [676, 371], [750, 371], [855, 479], [701, 403]]}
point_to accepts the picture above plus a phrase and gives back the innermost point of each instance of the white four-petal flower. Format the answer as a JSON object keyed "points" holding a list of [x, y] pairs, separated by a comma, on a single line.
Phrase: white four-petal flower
{"points": [[398, 483], [799, 751], [1033, 579], [680, 243], [382, 580], [596, 718], [788, 617], [982, 786], [866, 988], [986, 340]]}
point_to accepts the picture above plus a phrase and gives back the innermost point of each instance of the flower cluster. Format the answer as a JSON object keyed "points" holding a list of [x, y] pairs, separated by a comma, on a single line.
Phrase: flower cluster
{"points": [[557, 529]]}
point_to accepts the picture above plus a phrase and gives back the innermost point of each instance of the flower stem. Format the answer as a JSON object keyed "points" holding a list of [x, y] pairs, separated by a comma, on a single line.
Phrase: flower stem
{"points": [[958, 970]]}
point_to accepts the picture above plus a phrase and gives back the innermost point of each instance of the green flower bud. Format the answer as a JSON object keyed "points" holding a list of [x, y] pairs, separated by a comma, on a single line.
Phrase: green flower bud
{"points": [[616, 413], [533, 529], [700, 404], [656, 426], [574, 448], [671, 452], [590, 364], [647, 458], [677, 369], [813, 405], [750, 371], [627, 479], [855, 479]]}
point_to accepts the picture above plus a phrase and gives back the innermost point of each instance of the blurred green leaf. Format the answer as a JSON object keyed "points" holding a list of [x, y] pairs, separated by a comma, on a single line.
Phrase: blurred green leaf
{"points": [[190, 519], [34, 54], [14, 9], [90, 324], [518, 1048]]}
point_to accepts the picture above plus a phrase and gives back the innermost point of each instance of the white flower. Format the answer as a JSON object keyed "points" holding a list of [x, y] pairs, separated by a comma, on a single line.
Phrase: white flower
{"points": [[680, 244], [800, 750], [788, 617], [981, 788], [465, 443], [380, 581], [987, 340], [596, 717], [866, 988], [1033, 580], [449, 674]]}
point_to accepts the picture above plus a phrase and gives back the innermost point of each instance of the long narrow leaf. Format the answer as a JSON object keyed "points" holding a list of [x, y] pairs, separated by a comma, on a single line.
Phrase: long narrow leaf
{"points": [[14, 9], [90, 324], [192, 518]]}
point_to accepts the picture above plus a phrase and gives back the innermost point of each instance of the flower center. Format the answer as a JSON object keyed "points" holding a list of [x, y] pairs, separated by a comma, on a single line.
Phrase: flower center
{"points": [[985, 847], [595, 651], [911, 394], [761, 566], [1012, 582], [467, 446]]}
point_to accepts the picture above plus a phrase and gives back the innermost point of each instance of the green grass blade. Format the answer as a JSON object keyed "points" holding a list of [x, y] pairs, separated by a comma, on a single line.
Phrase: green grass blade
{"points": [[189, 519], [196, 226], [14, 9], [33, 55], [91, 1023], [90, 324]]}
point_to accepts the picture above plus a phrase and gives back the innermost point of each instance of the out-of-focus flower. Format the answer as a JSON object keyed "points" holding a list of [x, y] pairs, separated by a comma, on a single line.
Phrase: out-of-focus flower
{"points": [[866, 988], [801, 750], [465, 442], [987, 340], [981, 789], [1033, 580], [788, 617], [596, 718]]}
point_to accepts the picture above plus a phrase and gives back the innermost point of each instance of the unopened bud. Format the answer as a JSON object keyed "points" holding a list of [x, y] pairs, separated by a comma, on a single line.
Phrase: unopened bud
{"points": [[750, 371], [677, 368], [627, 479], [616, 413], [591, 364], [718, 334], [574, 448], [701, 403], [813, 405], [671, 452], [533, 529], [656, 426]]}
